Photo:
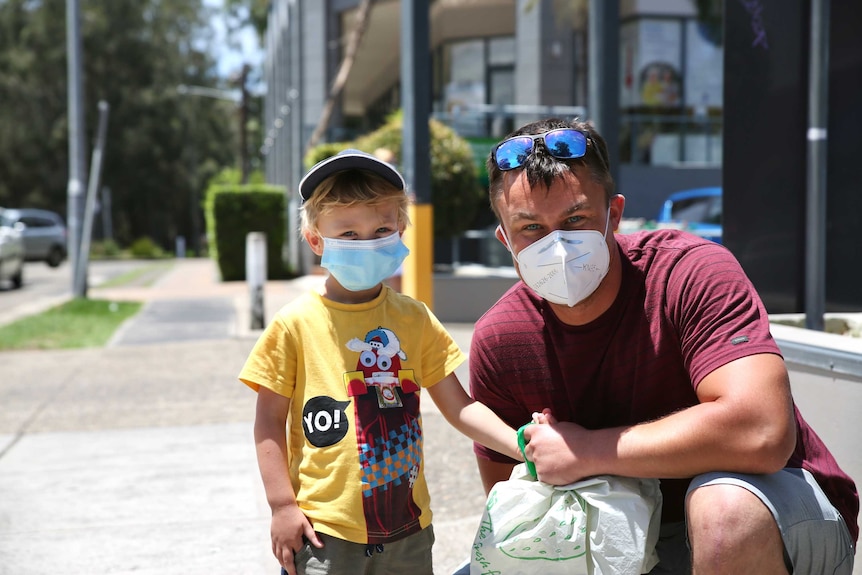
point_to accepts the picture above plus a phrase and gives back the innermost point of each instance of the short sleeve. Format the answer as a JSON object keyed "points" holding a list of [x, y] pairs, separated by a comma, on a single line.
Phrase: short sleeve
{"points": [[716, 310], [272, 361]]}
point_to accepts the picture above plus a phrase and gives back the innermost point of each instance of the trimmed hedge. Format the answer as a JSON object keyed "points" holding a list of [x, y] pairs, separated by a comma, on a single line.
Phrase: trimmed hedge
{"points": [[234, 210]]}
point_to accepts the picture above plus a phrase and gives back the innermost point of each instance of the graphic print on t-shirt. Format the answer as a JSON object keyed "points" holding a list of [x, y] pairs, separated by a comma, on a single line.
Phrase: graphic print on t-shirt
{"points": [[324, 421], [388, 433]]}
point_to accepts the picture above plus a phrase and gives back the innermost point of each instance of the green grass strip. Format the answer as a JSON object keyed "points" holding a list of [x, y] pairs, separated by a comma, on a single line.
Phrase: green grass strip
{"points": [[143, 276], [75, 324]]}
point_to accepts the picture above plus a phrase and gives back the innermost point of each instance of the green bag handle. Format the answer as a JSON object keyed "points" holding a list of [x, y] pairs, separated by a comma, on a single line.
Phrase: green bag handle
{"points": [[522, 443]]}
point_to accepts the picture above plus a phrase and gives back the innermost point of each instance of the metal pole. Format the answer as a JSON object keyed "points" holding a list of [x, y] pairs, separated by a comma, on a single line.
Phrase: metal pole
{"points": [[416, 98], [194, 203], [416, 148], [603, 74], [243, 124], [77, 140], [107, 221], [87, 227], [595, 23], [217, 94], [815, 199], [300, 260]]}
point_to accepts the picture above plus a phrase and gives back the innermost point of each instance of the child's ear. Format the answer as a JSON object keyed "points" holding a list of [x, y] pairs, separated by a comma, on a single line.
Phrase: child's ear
{"points": [[315, 242]]}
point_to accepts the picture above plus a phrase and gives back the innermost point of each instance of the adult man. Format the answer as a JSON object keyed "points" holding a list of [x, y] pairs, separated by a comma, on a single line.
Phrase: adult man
{"points": [[649, 355]]}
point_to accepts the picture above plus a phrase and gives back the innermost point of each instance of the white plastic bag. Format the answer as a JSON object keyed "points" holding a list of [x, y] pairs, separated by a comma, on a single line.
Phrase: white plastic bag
{"points": [[605, 525]]}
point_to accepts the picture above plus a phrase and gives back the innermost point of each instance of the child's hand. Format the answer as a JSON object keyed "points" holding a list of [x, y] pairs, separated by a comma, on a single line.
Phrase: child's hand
{"points": [[545, 417], [289, 525]]}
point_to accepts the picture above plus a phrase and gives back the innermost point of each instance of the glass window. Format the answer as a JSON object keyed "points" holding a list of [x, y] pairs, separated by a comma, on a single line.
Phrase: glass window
{"points": [[467, 61], [704, 68], [502, 93], [502, 87], [707, 210], [501, 51], [35, 222], [471, 74], [464, 89]]}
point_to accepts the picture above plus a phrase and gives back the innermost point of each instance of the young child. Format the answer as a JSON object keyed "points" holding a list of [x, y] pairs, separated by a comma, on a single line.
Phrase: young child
{"points": [[338, 375]]}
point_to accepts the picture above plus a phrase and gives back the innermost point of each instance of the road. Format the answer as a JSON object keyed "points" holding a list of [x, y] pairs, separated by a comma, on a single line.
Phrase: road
{"points": [[45, 286]]}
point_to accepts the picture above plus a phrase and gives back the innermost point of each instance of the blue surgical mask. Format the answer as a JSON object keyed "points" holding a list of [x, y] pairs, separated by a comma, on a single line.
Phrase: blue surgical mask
{"points": [[362, 264]]}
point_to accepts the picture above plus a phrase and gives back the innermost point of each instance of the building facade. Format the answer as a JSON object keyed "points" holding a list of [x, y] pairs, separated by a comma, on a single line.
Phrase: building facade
{"points": [[496, 64]]}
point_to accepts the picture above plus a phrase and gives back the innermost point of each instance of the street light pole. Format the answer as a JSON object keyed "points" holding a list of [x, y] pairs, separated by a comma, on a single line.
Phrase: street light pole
{"points": [[240, 98], [243, 123], [81, 266], [815, 193], [77, 164], [228, 95]]}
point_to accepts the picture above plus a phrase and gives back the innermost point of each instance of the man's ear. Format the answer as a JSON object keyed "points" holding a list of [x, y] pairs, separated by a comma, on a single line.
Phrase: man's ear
{"points": [[618, 204], [315, 242], [501, 237]]}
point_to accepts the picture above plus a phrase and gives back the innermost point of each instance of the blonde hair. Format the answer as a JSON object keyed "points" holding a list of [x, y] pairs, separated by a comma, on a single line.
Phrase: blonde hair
{"points": [[348, 188]]}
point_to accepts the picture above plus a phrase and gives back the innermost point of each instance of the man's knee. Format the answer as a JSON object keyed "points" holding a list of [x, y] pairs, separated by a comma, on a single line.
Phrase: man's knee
{"points": [[728, 525], [726, 510]]}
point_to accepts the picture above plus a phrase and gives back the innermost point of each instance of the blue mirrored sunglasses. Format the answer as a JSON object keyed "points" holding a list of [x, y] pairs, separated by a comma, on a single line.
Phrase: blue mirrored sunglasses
{"points": [[562, 143]]}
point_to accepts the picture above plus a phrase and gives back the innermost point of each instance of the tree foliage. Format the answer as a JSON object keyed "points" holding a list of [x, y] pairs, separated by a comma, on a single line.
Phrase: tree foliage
{"points": [[161, 146], [252, 12], [455, 190]]}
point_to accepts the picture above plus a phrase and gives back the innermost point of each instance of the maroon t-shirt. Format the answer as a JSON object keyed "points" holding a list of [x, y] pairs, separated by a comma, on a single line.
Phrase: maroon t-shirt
{"points": [[685, 308]]}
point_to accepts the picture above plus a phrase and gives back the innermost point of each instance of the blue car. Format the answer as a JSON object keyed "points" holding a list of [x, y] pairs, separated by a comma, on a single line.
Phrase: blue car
{"points": [[697, 211]]}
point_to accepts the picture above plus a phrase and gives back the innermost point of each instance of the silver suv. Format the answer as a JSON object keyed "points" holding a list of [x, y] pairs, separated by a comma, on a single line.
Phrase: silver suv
{"points": [[11, 252], [44, 234]]}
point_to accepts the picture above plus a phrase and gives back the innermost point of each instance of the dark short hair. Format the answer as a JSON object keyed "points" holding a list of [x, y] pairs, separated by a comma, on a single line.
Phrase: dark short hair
{"points": [[542, 167]]}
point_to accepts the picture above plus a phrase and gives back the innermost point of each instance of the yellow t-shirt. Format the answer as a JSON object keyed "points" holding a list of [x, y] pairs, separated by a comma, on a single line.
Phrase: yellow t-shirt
{"points": [[353, 373]]}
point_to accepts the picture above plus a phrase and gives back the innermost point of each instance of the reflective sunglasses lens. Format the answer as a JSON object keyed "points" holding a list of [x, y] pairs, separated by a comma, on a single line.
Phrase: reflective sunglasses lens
{"points": [[513, 153], [566, 144]]}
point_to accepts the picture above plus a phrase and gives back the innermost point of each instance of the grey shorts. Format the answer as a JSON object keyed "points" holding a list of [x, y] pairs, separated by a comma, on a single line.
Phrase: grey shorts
{"points": [[411, 554], [816, 538]]}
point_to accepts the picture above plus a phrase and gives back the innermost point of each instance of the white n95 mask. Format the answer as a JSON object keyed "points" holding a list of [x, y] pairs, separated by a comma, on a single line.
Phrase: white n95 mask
{"points": [[565, 267]]}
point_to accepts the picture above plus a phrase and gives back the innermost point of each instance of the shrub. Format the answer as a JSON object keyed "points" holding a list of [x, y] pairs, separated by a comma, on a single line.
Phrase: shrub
{"points": [[456, 193], [105, 249], [228, 176], [232, 211], [145, 248]]}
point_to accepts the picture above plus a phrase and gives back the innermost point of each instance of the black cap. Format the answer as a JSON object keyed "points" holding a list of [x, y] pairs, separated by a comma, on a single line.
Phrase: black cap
{"points": [[348, 160]]}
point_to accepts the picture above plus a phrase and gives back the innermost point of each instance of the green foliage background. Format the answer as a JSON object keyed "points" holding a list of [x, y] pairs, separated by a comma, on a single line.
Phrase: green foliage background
{"points": [[161, 148], [232, 211], [456, 192]]}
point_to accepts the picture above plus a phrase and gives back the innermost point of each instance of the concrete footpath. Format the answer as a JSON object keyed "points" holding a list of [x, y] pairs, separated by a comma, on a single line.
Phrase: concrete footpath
{"points": [[139, 458]]}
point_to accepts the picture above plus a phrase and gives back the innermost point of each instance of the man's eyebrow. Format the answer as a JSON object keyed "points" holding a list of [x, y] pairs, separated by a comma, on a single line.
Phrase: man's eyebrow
{"points": [[532, 216], [577, 208], [518, 216]]}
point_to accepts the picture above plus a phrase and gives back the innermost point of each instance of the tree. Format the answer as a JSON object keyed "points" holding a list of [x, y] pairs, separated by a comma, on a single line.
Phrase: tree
{"points": [[455, 190], [252, 12], [161, 146], [32, 119], [350, 50]]}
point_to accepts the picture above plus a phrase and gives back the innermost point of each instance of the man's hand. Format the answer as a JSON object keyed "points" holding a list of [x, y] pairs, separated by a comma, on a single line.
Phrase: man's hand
{"points": [[553, 447], [289, 525]]}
